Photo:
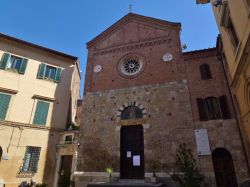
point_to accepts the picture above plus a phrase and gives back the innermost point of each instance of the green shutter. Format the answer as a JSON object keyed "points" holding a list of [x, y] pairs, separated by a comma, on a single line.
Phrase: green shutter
{"points": [[26, 161], [41, 113], [41, 71], [4, 60], [4, 104], [23, 66], [35, 159], [58, 74]]}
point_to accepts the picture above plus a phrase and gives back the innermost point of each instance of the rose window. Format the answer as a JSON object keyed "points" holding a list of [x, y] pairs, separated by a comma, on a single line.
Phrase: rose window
{"points": [[131, 66]]}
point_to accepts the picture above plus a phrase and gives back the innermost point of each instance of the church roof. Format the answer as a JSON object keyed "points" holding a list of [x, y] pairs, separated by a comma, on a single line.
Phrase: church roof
{"points": [[137, 17]]}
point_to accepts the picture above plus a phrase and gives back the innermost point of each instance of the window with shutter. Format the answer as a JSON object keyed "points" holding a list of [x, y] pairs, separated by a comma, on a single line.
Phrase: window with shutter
{"points": [[49, 73], [232, 33], [205, 72], [4, 60], [58, 74], [13, 63], [224, 107], [41, 113], [31, 158], [4, 105], [202, 109], [213, 108]]}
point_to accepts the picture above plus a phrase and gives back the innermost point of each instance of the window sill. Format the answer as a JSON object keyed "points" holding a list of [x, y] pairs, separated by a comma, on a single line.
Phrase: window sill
{"points": [[48, 80], [25, 174], [217, 120], [68, 142], [14, 71]]}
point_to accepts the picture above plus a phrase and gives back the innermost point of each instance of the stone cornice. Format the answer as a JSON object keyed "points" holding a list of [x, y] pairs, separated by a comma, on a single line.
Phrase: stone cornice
{"points": [[28, 126], [133, 46]]}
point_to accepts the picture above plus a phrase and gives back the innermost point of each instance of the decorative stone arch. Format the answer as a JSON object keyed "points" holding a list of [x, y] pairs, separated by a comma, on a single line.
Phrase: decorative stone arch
{"points": [[131, 104]]}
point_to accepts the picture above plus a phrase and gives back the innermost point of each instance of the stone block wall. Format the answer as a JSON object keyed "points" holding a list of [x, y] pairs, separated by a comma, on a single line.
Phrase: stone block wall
{"points": [[164, 129]]}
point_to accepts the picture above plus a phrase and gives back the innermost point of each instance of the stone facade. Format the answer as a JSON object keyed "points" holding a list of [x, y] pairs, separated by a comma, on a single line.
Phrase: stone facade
{"points": [[163, 103], [164, 91]]}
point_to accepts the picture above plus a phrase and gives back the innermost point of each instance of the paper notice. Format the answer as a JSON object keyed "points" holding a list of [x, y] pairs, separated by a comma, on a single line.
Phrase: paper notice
{"points": [[136, 160]]}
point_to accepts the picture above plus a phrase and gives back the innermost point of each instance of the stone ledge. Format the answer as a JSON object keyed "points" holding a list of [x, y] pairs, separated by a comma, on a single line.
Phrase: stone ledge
{"points": [[26, 125]]}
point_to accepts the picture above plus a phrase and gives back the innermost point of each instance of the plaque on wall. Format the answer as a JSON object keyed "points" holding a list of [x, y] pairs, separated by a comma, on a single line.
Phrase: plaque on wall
{"points": [[202, 142], [128, 154], [136, 160]]}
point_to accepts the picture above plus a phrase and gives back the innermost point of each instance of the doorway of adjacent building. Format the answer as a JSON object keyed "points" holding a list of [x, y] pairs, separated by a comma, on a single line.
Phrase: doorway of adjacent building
{"points": [[224, 168], [65, 171], [1, 153], [132, 152]]}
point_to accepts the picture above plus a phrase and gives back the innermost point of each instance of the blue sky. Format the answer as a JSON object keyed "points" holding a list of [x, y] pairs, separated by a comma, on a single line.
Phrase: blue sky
{"points": [[66, 25]]}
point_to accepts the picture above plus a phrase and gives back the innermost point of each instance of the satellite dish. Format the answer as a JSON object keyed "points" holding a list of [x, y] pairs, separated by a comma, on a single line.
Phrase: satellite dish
{"points": [[184, 46]]}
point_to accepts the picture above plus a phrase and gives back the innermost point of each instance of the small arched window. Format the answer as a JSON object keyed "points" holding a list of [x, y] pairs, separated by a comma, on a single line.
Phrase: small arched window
{"points": [[205, 72], [131, 112], [1, 153]]}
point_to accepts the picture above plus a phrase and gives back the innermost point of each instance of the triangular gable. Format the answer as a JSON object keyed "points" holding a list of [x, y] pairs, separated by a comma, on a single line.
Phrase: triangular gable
{"points": [[116, 29]]}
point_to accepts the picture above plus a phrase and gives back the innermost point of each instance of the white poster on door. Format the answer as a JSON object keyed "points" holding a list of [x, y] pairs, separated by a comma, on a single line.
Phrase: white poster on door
{"points": [[202, 142], [128, 154], [136, 160]]}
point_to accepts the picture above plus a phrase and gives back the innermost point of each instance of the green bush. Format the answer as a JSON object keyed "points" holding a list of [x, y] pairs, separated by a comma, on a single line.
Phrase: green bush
{"points": [[187, 174]]}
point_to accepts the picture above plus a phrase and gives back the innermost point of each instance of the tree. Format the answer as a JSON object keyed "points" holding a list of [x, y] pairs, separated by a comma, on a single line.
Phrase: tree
{"points": [[188, 174]]}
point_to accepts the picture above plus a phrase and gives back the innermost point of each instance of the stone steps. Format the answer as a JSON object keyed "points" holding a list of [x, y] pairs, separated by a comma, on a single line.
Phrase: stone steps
{"points": [[126, 184]]}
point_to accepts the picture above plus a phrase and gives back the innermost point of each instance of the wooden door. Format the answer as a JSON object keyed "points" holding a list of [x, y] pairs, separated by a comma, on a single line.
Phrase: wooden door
{"points": [[224, 168], [65, 171], [132, 152]]}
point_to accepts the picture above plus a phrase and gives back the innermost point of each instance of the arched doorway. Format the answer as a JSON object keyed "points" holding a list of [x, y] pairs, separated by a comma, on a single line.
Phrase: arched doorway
{"points": [[132, 146], [224, 168]]}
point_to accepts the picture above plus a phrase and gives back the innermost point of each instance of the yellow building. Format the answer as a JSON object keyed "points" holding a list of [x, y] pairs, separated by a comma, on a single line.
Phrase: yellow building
{"points": [[233, 20], [39, 89]]}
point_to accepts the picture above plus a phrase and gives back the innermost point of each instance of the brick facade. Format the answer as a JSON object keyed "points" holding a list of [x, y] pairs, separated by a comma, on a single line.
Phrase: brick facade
{"points": [[165, 91]]}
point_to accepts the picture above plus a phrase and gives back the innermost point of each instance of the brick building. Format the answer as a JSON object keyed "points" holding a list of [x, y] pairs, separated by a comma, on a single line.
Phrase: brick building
{"points": [[144, 96]]}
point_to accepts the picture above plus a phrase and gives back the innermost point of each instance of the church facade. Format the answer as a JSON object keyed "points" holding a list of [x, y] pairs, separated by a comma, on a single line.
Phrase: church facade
{"points": [[144, 97]]}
